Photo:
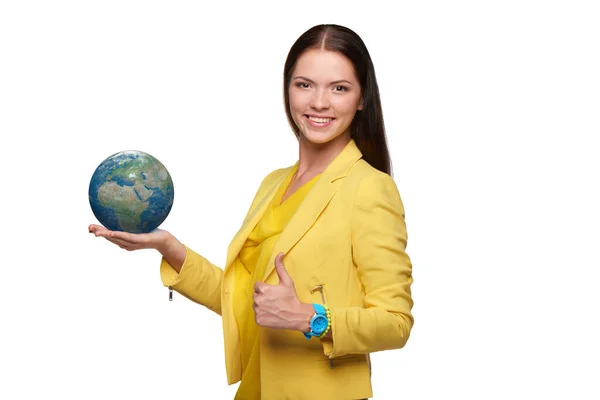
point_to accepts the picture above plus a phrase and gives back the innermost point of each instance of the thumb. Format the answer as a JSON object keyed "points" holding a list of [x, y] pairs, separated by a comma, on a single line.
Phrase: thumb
{"points": [[284, 277]]}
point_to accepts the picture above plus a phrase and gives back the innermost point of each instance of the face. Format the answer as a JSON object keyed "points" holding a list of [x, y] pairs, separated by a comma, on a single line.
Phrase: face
{"points": [[324, 96]]}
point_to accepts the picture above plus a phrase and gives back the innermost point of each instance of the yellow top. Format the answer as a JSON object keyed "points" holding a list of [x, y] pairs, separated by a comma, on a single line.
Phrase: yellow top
{"points": [[249, 269]]}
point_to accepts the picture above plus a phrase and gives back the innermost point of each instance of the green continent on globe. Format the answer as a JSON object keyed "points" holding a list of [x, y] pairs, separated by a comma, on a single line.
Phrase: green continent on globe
{"points": [[124, 201]]}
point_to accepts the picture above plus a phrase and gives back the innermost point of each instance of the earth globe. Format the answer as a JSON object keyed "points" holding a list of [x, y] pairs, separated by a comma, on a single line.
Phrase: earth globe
{"points": [[131, 191]]}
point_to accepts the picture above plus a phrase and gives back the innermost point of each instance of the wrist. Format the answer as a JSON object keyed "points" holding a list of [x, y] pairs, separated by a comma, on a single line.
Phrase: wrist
{"points": [[173, 251], [319, 321], [164, 247], [307, 311]]}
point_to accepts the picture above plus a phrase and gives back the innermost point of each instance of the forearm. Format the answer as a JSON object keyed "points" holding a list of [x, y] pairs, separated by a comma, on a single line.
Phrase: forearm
{"points": [[174, 252], [368, 330]]}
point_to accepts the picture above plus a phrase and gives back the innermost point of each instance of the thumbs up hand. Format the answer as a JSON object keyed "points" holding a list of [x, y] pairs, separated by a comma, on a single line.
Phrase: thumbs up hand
{"points": [[278, 306]]}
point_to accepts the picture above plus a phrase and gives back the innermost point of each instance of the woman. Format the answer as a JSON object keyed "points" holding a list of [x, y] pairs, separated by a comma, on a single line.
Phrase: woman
{"points": [[321, 251]]}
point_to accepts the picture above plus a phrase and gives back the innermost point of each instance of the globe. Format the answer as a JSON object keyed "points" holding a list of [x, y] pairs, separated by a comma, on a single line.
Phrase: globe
{"points": [[131, 191]]}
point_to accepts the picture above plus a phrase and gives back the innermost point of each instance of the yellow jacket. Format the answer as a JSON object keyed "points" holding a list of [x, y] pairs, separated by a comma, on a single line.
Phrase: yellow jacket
{"points": [[348, 239]]}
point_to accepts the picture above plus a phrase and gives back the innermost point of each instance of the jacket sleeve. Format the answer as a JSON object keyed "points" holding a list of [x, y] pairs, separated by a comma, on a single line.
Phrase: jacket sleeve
{"points": [[199, 280], [378, 249]]}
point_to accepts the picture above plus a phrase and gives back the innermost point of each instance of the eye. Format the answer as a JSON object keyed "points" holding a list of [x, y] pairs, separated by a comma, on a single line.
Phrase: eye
{"points": [[302, 85], [340, 88]]}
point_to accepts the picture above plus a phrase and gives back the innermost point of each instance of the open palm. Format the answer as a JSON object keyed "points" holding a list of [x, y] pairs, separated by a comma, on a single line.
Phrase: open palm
{"points": [[156, 239]]}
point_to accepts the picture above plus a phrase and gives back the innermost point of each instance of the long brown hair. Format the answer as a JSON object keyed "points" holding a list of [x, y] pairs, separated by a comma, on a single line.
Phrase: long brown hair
{"points": [[367, 128]]}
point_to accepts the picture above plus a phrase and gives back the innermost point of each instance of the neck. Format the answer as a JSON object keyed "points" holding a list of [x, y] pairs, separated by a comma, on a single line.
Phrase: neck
{"points": [[314, 158]]}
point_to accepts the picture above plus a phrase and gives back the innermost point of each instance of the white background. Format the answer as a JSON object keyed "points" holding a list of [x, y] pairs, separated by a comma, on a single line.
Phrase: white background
{"points": [[492, 116]]}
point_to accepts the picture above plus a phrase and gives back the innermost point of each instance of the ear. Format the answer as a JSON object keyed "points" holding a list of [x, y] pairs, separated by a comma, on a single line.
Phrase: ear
{"points": [[361, 104]]}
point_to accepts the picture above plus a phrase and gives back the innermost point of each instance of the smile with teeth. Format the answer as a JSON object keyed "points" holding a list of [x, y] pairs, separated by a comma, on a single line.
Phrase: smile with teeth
{"points": [[320, 120]]}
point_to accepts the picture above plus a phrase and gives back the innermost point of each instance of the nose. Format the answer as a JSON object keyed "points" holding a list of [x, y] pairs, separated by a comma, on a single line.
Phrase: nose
{"points": [[320, 99]]}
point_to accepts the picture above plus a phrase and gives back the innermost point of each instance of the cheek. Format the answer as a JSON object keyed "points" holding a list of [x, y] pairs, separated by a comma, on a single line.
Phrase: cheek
{"points": [[345, 106], [297, 101]]}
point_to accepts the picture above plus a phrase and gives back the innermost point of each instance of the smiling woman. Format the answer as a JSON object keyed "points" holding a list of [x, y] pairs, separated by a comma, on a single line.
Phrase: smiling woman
{"points": [[324, 96], [332, 66], [321, 253]]}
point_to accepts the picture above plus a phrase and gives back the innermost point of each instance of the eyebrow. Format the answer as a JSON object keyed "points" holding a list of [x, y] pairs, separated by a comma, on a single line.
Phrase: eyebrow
{"points": [[332, 83]]}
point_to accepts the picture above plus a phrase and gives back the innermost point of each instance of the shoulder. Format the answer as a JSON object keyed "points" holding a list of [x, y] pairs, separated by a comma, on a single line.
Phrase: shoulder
{"points": [[372, 187], [363, 175], [267, 184], [362, 169], [275, 176]]}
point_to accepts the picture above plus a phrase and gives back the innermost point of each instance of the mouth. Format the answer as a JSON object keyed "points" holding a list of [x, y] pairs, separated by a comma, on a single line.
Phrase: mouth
{"points": [[319, 121]]}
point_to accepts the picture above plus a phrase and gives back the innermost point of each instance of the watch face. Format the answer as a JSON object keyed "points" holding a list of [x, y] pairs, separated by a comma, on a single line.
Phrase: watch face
{"points": [[319, 324]]}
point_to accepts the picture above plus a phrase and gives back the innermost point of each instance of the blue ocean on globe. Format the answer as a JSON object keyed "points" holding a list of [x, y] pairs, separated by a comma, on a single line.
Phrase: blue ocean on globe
{"points": [[131, 191]]}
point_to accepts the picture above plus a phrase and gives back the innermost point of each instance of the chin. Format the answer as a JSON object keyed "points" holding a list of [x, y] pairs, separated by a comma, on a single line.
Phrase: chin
{"points": [[317, 140], [320, 138]]}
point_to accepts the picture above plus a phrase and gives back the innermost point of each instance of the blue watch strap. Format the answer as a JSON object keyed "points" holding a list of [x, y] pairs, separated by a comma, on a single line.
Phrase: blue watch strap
{"points": [[317, 321], [319, 309]]}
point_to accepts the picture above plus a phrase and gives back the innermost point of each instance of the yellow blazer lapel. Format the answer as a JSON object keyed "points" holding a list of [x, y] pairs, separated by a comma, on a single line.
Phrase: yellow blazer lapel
{"points": [[314, 202], [252, 218]]}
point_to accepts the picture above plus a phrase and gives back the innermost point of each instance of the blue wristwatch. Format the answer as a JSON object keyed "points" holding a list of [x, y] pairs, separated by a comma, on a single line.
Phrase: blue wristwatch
{"points": [[318, 323]]}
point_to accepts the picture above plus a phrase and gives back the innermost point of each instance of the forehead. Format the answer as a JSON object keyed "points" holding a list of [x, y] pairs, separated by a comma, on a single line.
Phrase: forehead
{"points": [[324, 65]]}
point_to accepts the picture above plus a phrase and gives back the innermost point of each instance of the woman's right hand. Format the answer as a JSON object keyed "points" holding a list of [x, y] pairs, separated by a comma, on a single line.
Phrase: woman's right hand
{"points": [[157, 239], [166, 244]]}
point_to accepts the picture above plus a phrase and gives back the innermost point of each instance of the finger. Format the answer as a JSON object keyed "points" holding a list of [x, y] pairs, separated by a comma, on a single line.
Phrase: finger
{"points": [[259, 287], [102, 233], [96, 228], [284, 277]]}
